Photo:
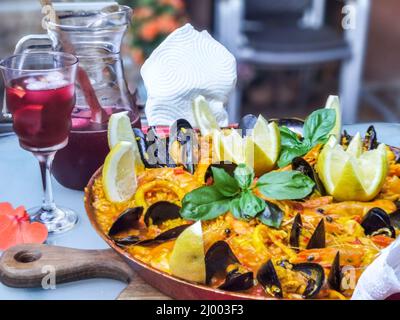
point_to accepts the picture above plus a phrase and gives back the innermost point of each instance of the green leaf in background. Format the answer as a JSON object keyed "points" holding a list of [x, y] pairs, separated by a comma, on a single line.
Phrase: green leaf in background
{"points": [[318, 125], [225, 183], [271, 216], [250, 204], [285, 185], [244, 176]]}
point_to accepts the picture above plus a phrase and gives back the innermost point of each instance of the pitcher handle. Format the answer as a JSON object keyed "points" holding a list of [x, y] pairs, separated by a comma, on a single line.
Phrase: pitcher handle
{"points": [[29, 43]]}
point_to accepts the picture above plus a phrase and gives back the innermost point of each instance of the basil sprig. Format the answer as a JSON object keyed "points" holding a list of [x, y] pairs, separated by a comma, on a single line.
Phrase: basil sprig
{"points": [[235, 194], [316, 130]]}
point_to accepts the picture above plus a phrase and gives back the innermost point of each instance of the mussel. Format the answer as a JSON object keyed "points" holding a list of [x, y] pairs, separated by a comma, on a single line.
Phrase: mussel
{"points": [[272, 215], [299, 164], [317, 239], [370, 140], [183, 140], [247, 123], [315, 278], [346, 138], [228, 167], [295, 232], [220, 260], [396, 152], [377, 221], [142, 145], [127, 220], [160, 212], [269, 280], [335, 274]]}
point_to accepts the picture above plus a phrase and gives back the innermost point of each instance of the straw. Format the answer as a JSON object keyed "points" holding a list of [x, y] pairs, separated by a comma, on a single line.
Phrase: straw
{"points": [[97, 113]]}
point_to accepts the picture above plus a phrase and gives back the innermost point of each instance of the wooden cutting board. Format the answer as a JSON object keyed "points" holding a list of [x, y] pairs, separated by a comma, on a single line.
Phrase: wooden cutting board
{"points": [[22, 267]]}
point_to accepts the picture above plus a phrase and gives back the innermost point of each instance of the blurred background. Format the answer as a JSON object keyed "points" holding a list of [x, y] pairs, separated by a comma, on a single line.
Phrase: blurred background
{"points": [[291, 53]]}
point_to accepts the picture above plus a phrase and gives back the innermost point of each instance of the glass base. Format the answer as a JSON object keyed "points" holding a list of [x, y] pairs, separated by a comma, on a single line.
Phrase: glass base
{"points": [[57, 221]]}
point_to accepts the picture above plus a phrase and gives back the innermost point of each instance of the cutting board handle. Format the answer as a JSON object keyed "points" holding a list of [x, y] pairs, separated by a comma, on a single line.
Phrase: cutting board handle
{"points": [[33, 265]]}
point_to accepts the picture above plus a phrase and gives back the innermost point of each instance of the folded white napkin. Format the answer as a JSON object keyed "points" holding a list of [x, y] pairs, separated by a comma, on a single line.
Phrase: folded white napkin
{"points": [[186, 64], [381, 279]]}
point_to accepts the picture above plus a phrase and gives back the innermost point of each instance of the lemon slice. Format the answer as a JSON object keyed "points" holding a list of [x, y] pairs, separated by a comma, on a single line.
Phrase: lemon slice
{"points": [[119, 174], [334, 103], [228, 146], [352, 175], [187, 259], [120, 129], [355, 147], [205, 119]]}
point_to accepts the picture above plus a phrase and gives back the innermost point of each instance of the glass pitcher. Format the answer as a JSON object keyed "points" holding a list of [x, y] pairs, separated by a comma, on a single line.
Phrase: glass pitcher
{"points": [[96, 38]]}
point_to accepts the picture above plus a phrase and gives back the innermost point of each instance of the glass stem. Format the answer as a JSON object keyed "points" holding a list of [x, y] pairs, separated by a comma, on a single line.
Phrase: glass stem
{"points": [[45, 162]]}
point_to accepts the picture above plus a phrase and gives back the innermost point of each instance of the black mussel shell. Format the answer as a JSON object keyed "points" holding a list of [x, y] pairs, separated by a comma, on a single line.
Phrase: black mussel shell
{"points": [[294, 239], [126, 241], [370, 140], [396, 152], [236, 281], [377, 221], [228, 167], [317, 239], [218, 258], [127, 220], [269, 280], [299, 164], [170, 234], [247, 123], [346, 138], [316, 278], [395, 217], [142, 145], [160, 212], [335, 274], [183, 132], [158, 149], [294, 124]]}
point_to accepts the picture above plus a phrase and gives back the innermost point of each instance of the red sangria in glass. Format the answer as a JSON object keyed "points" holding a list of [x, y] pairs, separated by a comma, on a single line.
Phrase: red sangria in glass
{"points": [[40, 94]]}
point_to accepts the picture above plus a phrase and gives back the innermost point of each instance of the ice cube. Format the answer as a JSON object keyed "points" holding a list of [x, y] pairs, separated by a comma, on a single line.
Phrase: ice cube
{"points": [[54, 76], [44, 85]]}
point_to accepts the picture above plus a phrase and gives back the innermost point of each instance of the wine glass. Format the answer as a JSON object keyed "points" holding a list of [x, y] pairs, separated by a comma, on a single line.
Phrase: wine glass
{"points": [[40, 94]]}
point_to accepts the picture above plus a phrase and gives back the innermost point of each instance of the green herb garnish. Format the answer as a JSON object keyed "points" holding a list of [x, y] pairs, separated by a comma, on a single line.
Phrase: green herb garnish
{"points": [[316, 130]]}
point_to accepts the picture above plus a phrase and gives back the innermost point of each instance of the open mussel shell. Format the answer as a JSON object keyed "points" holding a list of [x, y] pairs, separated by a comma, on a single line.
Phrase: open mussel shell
{"points": [[377, 221], [301, 165], [317, 239], [219, 258], [316, 277], [127, 220], [370, 140], [294, 124], [183, 133], [228, 167], [160, 212], [269, 280], [335, 274], [295, 232], [396, 152], [247, 123]]}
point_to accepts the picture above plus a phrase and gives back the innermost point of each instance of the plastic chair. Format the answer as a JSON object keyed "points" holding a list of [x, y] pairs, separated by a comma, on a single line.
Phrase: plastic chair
{"points": [[291, 34]]}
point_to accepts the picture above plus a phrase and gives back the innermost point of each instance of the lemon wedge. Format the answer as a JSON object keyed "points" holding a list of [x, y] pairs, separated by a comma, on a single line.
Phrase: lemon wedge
{"points": [[120, 129], [205, 119], [228, 146], [119, 174], [333, 103], [352, 175], [187, 259]]}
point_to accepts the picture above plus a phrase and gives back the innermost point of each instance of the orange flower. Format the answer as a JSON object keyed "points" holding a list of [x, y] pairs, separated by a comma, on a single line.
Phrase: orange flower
{"points": [[149, 30], [167, 23], [143, 13], [177, 4]]}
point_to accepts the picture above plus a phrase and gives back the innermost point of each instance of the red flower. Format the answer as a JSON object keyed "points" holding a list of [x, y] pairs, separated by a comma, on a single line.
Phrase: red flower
{"points": [[15, 227]]}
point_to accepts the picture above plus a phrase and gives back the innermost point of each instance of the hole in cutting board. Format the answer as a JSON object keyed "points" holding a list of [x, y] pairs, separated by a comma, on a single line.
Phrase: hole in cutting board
{"points": [[27, 256]]}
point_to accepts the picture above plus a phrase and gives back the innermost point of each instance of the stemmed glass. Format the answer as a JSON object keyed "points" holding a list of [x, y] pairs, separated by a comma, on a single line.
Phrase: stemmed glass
{"points": [[40, 94]]}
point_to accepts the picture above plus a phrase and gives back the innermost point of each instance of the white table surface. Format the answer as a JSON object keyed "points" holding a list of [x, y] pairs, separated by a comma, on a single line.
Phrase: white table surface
{"points": [[20, 185]]}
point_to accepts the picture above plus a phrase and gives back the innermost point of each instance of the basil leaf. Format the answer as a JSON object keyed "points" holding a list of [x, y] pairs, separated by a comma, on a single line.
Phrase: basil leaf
{"points": [[202, 195], [250, 204], [206, 211], [289, 138], [318, 125], [244, 176], [288, 154], [234, 208], [285, 185], [272, 215], [225, 184]]}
